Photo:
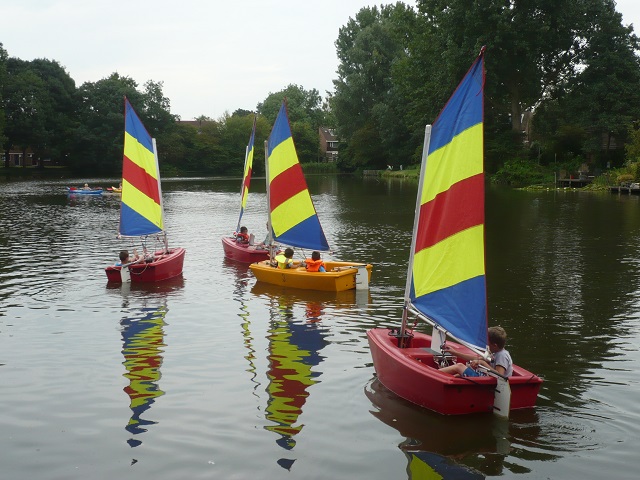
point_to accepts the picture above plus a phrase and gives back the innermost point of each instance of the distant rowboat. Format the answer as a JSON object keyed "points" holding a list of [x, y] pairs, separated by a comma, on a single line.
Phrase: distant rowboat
{"points": [[81, 191]]}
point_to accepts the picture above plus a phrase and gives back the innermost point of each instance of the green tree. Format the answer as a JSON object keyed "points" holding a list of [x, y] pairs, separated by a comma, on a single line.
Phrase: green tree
{"points": [[25, 103], [60, 102], [101, 123], [366, 103], [306, 115], [603, 99], [3, 75]]}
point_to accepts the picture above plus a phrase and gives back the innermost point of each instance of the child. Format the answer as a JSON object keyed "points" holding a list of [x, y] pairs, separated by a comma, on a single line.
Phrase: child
{"points": [[315, 263], [285, 260], [125, 258], [243, 236], [501, 361]]}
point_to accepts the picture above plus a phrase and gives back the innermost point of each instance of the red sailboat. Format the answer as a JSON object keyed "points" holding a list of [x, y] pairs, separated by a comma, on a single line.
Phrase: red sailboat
{"points": [[446, 277], [141, 212], [236, 247]]}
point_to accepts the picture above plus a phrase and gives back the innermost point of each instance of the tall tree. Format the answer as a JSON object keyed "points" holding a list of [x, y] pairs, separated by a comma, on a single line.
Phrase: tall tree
{"points": [[25, 106], [60, 116], [366, 103], [101, 123], [603, 98], [3, 75], [305, 114]]}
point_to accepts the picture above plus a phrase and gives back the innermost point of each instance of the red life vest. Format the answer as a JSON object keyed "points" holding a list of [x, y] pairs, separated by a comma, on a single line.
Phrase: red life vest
{"points": [[313, 265], [242, 237]]}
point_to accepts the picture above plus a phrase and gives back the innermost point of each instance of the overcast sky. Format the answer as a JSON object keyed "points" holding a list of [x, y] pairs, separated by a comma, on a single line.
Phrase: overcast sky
{"points": [[212, 55]]}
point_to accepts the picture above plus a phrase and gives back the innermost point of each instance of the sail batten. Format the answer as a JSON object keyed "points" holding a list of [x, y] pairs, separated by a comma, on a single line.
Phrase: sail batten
{"points": [[292, 215], [448, 283]]}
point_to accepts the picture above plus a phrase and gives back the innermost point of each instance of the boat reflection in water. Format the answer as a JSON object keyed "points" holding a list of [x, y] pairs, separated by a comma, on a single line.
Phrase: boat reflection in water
{"points": [[143, 344], [468, 444], [294, 353]]}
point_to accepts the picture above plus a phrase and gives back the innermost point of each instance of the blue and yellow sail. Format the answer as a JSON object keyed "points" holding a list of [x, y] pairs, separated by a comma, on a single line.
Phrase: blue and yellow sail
{"points": [[141, 208], [448, 271], [246, 177], [293, 217]]}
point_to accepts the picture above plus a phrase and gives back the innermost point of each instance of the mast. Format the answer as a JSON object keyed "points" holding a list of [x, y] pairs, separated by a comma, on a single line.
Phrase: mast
{"points": [[266, 173], [416, 218]]}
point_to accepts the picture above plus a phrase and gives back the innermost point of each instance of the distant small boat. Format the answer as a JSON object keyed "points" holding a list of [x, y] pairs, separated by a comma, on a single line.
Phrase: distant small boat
{"points": [[116, 190], [234, 247], [446, 284], [293, 220], [81, 191], [141, 212]]}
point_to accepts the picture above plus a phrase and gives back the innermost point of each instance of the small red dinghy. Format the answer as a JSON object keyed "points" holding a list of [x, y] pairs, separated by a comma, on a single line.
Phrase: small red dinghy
{"points": [[446, 286], [141, 212]]}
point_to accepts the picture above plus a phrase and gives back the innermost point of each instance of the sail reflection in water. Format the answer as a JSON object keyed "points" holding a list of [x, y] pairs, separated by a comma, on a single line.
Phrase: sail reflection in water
{"points": [[468, 444], [294, 351], [143, 343]]}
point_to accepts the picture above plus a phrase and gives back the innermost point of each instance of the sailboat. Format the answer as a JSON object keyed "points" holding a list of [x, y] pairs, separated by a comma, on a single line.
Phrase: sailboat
{"points": [[234, 248], [141, 212], [293, 220], [445, 285]]}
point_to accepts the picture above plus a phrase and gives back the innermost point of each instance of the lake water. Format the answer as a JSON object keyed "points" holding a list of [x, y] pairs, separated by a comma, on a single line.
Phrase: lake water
{"points": [[212, 376]]}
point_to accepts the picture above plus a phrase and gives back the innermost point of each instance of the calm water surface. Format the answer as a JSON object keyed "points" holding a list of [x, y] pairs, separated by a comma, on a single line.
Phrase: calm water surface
{"points": [[213, 376]]}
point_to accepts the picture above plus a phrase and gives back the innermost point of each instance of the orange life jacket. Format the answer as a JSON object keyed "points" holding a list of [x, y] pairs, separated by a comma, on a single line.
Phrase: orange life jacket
{"points": [[313, 265], [242, 237]]}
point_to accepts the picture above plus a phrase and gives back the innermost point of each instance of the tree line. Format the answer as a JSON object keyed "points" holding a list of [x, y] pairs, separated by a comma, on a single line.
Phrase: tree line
{"points": [[561, 88]]}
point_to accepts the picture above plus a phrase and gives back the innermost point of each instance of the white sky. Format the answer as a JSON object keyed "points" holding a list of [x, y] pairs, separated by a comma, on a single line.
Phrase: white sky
{"points": [[212, 55]]}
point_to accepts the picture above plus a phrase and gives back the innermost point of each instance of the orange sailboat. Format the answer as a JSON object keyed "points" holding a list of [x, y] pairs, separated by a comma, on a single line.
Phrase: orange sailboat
{"points": [[293, 221]]}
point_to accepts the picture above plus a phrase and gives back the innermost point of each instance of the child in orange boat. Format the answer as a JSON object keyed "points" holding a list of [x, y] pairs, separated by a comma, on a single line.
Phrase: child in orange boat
{"points": [[315, 263]]}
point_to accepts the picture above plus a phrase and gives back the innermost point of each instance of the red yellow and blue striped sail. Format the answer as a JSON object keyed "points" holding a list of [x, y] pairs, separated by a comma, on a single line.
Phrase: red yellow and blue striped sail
{"points": [[141, 207], [294, 220], [246, 178], [448, 270]]}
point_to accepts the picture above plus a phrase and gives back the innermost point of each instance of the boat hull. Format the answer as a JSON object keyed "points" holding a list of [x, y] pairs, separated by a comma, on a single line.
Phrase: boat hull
{"points": [[242, 252], [411, 373], [164, 267], [338, 280]]}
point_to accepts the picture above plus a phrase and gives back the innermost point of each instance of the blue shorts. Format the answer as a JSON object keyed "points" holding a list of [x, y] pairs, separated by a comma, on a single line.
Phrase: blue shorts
{"points": [[470, 372]]}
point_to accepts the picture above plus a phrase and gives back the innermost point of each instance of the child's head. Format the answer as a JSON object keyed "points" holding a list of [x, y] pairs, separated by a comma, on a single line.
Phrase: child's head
{"points": [[288, 252], [243, 230], [315, 255], [498, 337], [124, 255]]}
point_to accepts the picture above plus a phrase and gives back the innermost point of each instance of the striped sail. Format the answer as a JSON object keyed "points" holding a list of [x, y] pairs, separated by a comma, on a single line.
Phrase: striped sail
{"points": [[293, 217], [448, 270], [141, 207], [246, 178]]}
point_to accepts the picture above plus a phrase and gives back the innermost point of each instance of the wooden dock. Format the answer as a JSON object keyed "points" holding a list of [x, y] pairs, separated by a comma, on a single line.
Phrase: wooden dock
{"points": [[629, 190], [575, 182]]}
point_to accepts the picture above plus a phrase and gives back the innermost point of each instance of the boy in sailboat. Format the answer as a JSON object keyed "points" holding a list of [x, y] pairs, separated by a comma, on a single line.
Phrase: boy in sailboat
{"points": [[315, 263], [500, 362], [285, 259], [125, 258]]}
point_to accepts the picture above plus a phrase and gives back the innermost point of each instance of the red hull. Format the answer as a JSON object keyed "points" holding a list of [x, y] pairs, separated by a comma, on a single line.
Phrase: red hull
{"points": [[242, 252], [163, 268], [411, 373]]}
